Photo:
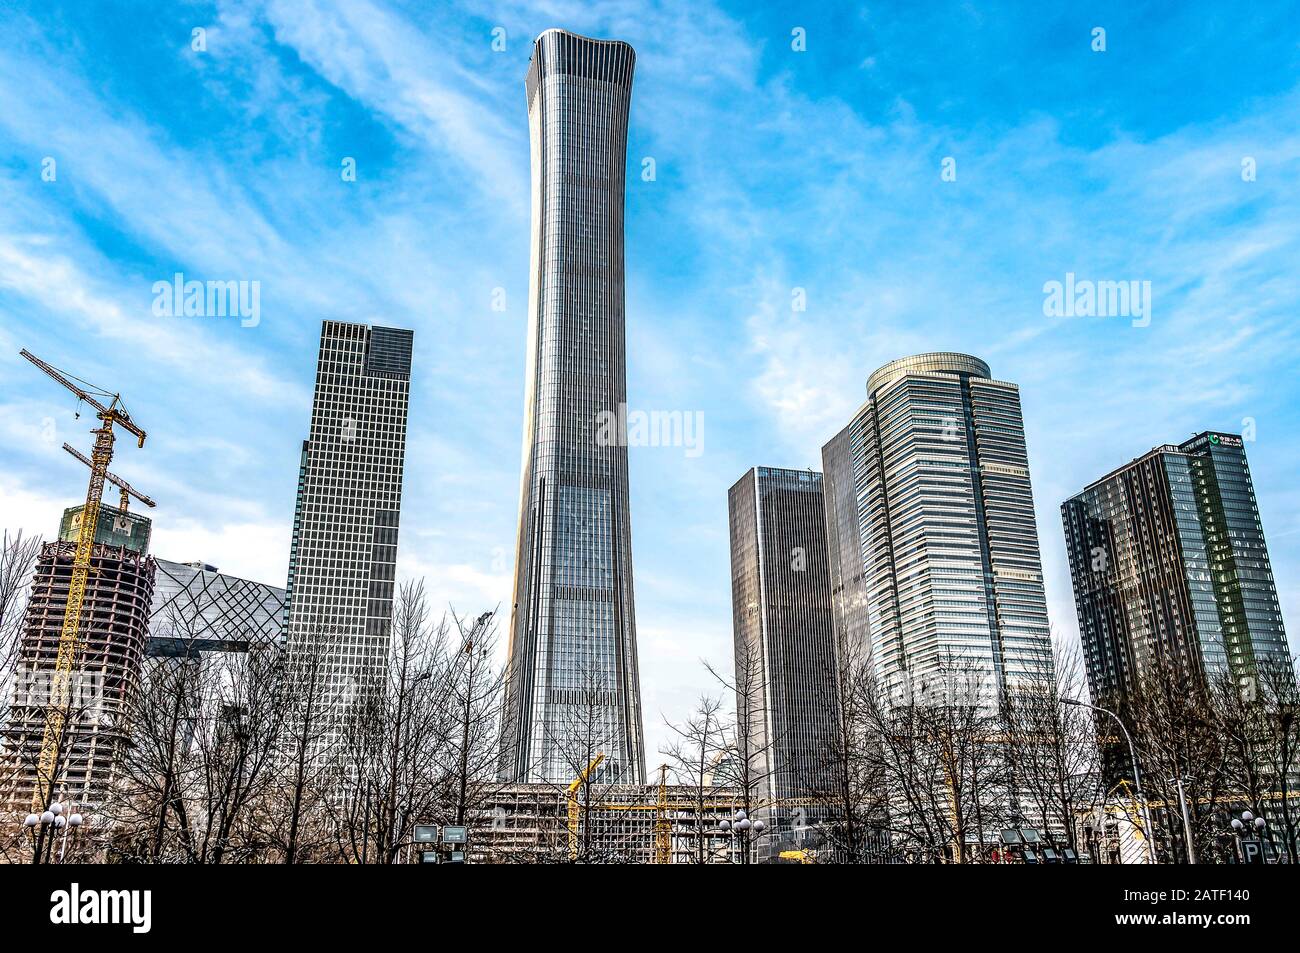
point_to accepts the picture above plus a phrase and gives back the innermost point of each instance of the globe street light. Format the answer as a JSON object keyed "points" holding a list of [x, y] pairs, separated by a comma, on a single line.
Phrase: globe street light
{"points": [[37, 825], [742, 825], [74, 821], [1246, 825], [42, 828]]}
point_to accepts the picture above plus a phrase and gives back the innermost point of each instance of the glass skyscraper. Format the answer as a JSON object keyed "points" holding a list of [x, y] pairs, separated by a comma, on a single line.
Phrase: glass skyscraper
{"points": [[573, 684], [1168, 560], [343, 560], [930, 519], [784, 637]]}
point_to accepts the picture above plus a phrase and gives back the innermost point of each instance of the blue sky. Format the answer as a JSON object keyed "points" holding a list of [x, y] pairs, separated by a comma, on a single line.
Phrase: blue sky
{"points": [[776, 170]]}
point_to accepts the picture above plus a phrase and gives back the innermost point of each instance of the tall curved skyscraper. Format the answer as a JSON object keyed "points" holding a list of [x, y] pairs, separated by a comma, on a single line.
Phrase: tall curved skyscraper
{"points": [[931, 528], [573, 689]]}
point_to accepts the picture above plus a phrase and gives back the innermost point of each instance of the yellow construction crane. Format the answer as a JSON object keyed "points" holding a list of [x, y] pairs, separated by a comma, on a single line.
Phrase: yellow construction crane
{"points": [[126, 489], [56, 714], [574, 785], [663, 826]]}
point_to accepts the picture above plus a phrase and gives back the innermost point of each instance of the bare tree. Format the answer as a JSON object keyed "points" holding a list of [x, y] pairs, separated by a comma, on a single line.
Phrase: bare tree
{"points": [[693, 754], [1183, 750], [387, 757], [239, 723], [151, 801], [470, 719], [295, 819], [1257, 719], [585, 737], [943, 759], [1279, 697], [1051, 747], [846, 783], [746, 762], [25, 786], [17, 558]]}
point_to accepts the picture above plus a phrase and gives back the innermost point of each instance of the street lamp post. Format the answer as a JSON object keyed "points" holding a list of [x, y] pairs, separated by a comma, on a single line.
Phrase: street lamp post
{"points": [[742, 825], [1149, 833], [44, 826], [1187, 820], [1246, 824]]}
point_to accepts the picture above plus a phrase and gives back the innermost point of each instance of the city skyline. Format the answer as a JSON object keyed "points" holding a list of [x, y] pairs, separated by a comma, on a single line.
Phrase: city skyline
{"points": [[141, 195]]}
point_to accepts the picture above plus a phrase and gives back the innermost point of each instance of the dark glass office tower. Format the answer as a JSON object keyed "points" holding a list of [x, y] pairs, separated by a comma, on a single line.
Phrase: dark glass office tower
{"points": [[931, 522], [573, 684], [784, 634], [343, 560], [1168, 560]]}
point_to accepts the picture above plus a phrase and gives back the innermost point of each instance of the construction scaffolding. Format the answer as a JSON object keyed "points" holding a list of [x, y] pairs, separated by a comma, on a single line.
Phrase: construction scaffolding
{"points": [[114, 626], [633, 823]]}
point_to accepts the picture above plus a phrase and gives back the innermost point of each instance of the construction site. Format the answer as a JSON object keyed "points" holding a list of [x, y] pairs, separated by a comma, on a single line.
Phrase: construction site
{"points": [[113, 630], [622, 823], [627, 823], [85, 629]]}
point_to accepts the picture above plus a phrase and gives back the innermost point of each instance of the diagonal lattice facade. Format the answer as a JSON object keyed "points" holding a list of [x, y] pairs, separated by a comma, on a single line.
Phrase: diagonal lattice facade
{"points": [[197, 609]]}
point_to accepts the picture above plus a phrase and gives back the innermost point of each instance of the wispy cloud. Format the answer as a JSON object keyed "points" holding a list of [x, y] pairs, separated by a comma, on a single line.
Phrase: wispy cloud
{"points": [[775, 170]]}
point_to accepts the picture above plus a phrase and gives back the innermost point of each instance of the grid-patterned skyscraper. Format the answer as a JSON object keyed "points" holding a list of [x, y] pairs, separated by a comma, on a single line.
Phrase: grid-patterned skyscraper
{"points": [[784, 637], [573, 683], [1168, 561], [342, 564], [937, 557]]}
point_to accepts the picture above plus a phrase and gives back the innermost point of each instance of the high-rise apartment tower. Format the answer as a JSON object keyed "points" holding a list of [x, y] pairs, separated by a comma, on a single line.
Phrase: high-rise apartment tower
{"points": [[1168, 560]]}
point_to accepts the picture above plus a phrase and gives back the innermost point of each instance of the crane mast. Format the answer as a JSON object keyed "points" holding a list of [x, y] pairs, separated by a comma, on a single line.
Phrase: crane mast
{"points": [[663, 826]]}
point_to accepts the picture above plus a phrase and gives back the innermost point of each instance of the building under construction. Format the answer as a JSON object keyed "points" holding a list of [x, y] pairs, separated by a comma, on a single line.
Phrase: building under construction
{"points": [[620, 823], [114, 627]]}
